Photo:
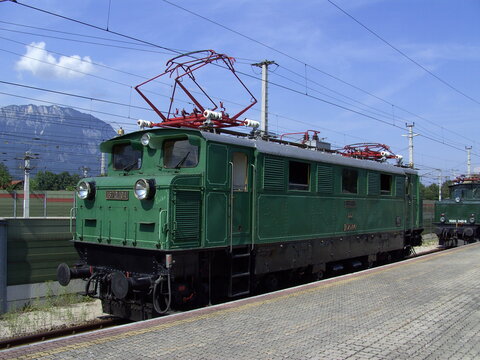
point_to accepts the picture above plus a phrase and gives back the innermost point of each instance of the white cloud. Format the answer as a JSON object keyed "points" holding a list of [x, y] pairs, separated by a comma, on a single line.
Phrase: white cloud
{"points": [[41, 63]]}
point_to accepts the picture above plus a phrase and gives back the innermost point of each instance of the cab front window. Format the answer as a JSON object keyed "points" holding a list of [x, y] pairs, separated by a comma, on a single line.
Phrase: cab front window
{"points": [[179, 154], [125, 157]]}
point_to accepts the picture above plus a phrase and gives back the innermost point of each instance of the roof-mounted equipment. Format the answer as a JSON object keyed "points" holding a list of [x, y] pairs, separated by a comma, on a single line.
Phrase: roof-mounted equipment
{"points": [[182, 68]]}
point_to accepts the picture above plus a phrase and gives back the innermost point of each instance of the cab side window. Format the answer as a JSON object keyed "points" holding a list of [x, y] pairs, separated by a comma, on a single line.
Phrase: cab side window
{"points": [[240, 171], [298, 176], [385, 184], [349, 181], [179, 154], [125, 157]]}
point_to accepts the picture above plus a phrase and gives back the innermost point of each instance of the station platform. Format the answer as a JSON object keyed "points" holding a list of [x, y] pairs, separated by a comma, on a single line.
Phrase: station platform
{"points": [[423, 308]]}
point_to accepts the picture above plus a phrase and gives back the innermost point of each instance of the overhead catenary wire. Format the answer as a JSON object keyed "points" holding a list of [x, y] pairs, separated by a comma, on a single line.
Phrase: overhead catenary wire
{"points": [[88, 42], [98, 28], [146, 42], [301, 61], [319, 99], [119, 83], [404, 54]]}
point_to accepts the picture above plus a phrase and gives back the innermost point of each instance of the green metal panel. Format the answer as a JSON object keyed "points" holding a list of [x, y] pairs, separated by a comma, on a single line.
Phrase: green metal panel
{"points": [[217, 164], [295, 217], [457, 212], [325, 179], [400, 186], [186, 223], [288, 217], [274, 174], [216, 227]]}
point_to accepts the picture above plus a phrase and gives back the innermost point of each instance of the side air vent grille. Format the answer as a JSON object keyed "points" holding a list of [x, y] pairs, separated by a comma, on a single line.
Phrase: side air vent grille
{"points": [[274, 174], [325, 179], [187, 217], [373, 183]]}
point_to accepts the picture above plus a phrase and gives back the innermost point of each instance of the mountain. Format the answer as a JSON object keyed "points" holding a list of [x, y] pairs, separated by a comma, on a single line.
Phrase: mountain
{"points": [[59, 139]]}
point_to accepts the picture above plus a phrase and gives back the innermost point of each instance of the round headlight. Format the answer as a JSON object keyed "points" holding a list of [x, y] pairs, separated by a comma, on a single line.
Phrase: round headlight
{"points": [[472, 220], [457, 199], [442, 219], [85, 190], [145, 139], [144, 189]]}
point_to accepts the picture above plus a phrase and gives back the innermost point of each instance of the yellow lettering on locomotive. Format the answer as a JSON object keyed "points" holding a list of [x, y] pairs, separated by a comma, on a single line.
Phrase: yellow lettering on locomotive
{"points": [[349, 227]]}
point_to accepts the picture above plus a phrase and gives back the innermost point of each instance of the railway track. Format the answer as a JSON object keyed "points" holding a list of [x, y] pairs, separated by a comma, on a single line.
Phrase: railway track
{"points": [[58, 333]]}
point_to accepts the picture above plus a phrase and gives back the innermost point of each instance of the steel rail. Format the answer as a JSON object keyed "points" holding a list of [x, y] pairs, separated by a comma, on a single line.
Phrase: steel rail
{"points": [[58, 333]]}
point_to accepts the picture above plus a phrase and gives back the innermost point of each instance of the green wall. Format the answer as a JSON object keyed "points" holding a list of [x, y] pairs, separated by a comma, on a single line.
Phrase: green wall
{"points": [[35, 247]]}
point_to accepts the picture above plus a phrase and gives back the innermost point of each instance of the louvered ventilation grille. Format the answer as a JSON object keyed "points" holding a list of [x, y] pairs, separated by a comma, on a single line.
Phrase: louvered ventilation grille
{"points": [[400, 187], [373, 184], [274, 174], [325, 179], [187, 216]]}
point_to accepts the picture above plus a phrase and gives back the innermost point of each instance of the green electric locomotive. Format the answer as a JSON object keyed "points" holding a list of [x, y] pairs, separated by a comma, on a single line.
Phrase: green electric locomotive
{"points": [[189, 216], [456, 219], [192, 213]]}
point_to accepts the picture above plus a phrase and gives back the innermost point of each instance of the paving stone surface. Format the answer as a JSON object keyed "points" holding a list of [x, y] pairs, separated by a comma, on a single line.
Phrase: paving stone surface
{"points": [[424, 308]]}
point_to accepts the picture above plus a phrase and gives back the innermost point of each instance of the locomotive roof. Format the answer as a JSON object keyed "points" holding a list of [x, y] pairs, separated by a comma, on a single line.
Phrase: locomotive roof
{"points": [[285, 150]]}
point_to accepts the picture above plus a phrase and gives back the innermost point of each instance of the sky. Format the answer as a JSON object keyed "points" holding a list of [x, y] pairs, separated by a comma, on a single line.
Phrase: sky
{"points": [[357, 71]]}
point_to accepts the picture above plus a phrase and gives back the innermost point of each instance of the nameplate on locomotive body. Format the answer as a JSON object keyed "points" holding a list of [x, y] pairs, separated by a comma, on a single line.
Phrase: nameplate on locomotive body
{"points": [[116, 195], [350, 204]]}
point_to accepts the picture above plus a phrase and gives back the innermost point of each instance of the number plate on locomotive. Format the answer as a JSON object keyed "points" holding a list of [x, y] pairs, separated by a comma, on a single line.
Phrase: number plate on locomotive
{"points": [[116, 195]]}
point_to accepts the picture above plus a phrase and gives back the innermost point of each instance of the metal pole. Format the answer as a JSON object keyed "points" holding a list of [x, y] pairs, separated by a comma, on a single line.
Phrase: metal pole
{"points": [[264, 125], [3, 266], [45, 204], [264, 117], [469, 159], [440, 186], [103, 171], [26, 188], [14, 204], [410, 143]]}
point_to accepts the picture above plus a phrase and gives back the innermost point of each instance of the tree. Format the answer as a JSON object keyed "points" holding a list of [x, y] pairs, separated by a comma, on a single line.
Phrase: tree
{"points": [[446, 189], [50, 181], [5, 177], [430, 192]]}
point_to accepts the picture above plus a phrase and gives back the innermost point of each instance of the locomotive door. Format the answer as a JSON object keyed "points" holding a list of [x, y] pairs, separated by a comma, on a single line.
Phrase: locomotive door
{"points": [[409, 203], [241, 178]]}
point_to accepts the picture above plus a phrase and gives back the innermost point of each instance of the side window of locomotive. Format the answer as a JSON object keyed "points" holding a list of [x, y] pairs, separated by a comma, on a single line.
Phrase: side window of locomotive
{"points": [[459, 193], [476, 193], [125, 157], [179, 154], [349, 181], [385, 184], [240, 171], [298, 175]]}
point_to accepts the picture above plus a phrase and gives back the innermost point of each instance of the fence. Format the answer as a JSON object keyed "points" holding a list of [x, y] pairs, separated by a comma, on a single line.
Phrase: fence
{"points": [[42, 203], [428, 214]]}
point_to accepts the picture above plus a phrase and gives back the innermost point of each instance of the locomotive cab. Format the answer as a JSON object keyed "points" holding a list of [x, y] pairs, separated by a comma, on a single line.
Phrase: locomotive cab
{"points": [[456, 218], [144, 225]]}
